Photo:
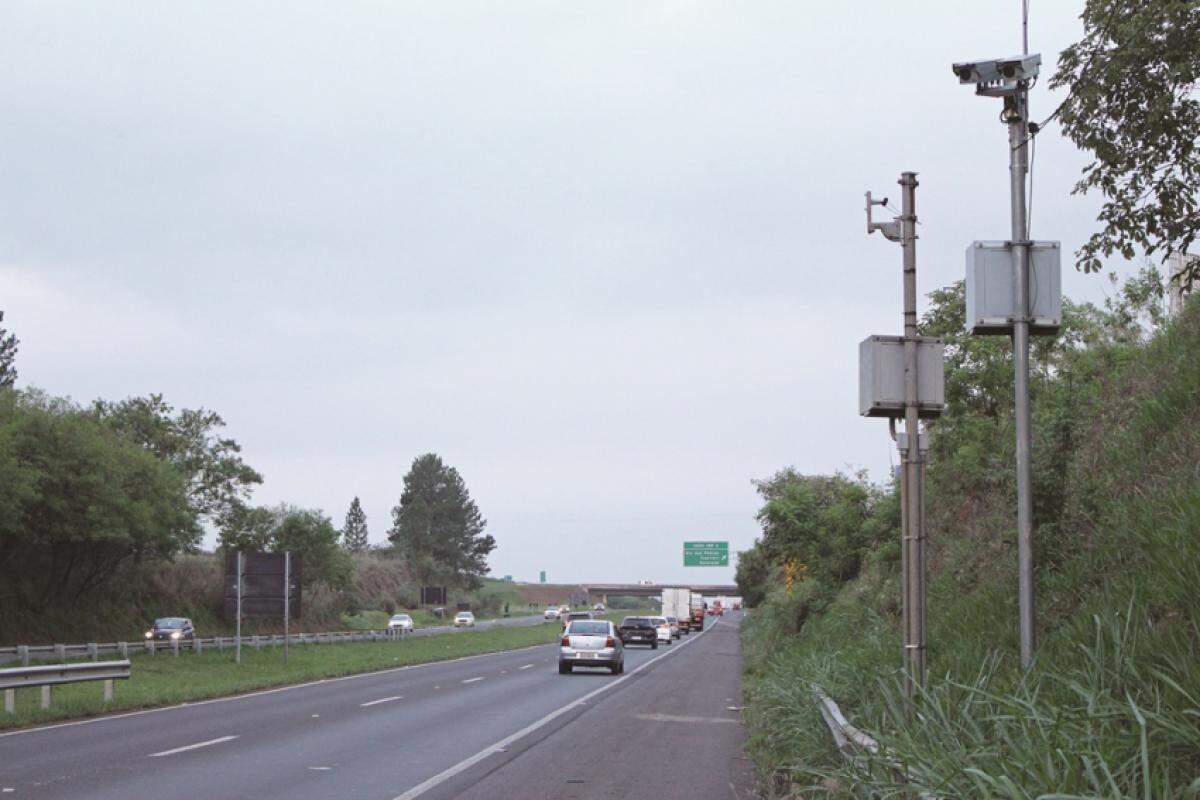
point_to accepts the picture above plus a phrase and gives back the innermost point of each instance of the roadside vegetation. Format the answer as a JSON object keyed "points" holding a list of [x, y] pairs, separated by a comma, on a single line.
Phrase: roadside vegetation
{"points": [[164, 679], [1112, 707]]}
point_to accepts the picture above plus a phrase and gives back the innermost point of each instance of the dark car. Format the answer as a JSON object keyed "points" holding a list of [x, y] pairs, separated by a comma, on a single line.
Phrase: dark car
{"points": [[171, 628], [639, 630]]}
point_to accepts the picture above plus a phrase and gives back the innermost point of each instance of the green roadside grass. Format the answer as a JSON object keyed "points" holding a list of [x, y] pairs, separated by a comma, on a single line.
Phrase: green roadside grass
{"points": [[164, 679]]}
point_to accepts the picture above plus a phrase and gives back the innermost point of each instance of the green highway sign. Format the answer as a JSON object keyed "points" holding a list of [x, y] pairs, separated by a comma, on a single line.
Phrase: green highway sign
{"points": [[706, 554]]}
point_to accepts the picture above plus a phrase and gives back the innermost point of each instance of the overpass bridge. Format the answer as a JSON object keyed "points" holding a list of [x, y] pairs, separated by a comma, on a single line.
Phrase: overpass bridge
{"points": [[601, 591]]}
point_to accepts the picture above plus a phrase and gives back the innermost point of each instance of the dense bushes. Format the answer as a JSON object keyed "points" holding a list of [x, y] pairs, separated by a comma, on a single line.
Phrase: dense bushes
{"points": [[1110, 708]]}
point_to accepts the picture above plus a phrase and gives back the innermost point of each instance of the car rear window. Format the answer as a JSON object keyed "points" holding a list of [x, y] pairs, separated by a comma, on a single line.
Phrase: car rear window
{"points": [[588, 627], [580, 615], [634, 621]]}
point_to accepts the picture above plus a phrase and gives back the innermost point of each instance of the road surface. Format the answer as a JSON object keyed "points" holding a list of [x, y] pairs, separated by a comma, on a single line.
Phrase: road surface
{"points": [[495, 726]]}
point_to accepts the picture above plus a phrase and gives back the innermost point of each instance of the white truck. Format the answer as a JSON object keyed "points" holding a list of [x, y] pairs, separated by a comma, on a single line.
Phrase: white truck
{"points": [[677, 603]]}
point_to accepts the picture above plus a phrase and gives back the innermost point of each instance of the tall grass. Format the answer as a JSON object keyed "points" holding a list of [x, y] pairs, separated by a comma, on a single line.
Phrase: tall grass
{"points": [[1111, 708]]}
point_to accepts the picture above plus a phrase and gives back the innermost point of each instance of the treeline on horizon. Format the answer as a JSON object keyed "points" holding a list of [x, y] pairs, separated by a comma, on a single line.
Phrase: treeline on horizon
{"points": [[95, 498]]}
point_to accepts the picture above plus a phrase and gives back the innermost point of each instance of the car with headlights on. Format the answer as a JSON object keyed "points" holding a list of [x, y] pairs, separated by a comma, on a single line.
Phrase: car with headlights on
{"points": [[171, 628], [551, 612], [591, 643], [464, 619], [400, 623], [638, 630]]}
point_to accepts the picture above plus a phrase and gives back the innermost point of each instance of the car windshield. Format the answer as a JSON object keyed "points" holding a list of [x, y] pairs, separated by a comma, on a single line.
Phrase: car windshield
{"points": [[634, 621], [660, 620], [464, 615], [400, 618], [168, 622], [588, 627]]}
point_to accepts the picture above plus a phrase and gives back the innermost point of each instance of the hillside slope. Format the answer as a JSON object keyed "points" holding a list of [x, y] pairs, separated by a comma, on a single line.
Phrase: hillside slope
{"points": [[1112, 706]]}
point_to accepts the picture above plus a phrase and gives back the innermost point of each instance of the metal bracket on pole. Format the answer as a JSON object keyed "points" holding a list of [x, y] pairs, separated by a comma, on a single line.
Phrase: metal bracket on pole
{"points": [[891, 230]]}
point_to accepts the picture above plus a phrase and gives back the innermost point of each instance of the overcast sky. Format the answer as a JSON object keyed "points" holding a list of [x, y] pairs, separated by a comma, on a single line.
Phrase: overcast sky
{"points": [[607, 259]]}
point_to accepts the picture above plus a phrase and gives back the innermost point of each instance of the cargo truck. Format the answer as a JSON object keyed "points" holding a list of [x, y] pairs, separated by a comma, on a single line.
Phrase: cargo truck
{"points": [[677, 603], [698, 607]]}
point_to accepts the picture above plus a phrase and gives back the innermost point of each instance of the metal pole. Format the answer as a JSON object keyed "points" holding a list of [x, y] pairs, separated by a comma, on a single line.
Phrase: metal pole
{"points": [[287, 596], [1018, 165], [238, 657], [914, 536]]}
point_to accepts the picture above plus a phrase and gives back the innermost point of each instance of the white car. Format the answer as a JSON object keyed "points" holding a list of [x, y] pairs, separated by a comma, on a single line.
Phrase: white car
{"points": [[591, 643], [551, 612], [663, 629], [464, 619], [400, 623], [598, 607]]}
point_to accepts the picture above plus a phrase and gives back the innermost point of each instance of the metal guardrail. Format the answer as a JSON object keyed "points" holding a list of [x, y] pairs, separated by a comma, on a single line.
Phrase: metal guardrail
{"points": [[855, 744], [850, 740], [57, 674], [25, 654]]}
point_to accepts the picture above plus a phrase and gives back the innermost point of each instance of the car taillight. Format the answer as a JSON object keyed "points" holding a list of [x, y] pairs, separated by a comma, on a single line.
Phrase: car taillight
{"points": [[610, 642], [566, 641]]}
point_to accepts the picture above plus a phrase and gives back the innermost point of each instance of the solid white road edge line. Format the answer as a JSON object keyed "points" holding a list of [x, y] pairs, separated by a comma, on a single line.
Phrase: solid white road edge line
{"points": [[262, 692], [380, 700], [195, 746], [441, 777]]}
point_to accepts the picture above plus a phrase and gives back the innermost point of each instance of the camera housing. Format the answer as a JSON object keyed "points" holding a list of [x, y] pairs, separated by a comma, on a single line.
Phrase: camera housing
{"points": [[998, 76]]}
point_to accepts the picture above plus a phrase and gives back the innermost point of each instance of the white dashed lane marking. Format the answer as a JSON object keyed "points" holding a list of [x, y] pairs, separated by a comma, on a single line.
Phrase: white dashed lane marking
{"points": [[472, 680], [195, 746], [380, 700]]}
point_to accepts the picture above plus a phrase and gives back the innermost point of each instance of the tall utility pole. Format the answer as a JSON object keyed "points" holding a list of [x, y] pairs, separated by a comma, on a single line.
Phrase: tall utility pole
{"points": [[238, 657], [919, 395], [1016, 116], [914, 462], [1009, 79]]}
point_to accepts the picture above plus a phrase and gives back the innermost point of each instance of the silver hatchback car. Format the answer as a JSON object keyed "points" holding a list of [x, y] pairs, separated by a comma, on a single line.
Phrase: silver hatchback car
{"points": [[591, 643]]}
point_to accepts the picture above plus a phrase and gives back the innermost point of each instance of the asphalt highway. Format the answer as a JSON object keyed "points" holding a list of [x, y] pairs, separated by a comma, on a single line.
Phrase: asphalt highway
{"points": [[494, 726]]}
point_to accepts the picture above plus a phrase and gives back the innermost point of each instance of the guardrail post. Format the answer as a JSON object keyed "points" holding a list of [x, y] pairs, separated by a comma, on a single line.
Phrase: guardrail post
{"points": [[93, 651], [123, 650], [257, 642], [150, 646], [60, 653], [45, 698], [108, 691], [10, 701], [175, 647], [23, 654], [199, 646], [220, 644]]}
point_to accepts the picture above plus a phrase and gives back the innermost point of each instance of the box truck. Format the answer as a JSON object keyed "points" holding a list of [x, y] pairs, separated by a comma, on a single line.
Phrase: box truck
{"points": [[677, 603]]}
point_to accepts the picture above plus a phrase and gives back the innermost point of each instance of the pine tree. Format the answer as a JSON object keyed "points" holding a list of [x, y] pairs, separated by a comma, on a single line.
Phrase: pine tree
{"points": [[8, 354], [437, 527], [354, 534]]}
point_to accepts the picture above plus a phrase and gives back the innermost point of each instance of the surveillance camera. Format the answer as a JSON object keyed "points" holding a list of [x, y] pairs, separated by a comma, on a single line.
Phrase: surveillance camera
{"points": [[984, 71], [998, 77], [1020, 68]]}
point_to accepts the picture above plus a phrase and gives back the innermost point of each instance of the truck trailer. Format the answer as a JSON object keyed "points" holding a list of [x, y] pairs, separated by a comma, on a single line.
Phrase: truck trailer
{"points": [[677, 603]]}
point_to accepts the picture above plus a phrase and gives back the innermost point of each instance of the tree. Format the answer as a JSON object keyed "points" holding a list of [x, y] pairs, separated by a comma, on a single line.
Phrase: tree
{"points": [[438, 528], [8, 354], [307, 533], [78, 501], [354, 532], [218, 481], [1132, 104]]}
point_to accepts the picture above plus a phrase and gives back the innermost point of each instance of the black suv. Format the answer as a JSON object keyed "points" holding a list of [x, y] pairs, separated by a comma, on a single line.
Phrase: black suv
{"points": [[639, 630], [169, 628]]}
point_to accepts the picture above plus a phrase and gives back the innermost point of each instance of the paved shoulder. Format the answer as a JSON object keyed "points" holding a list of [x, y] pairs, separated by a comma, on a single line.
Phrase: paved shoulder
{"points": [[673, 732]]}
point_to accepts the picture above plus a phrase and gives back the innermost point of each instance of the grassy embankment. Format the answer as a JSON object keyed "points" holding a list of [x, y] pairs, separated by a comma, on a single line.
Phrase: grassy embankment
{"points": [[1112, 707], [165, 680]]}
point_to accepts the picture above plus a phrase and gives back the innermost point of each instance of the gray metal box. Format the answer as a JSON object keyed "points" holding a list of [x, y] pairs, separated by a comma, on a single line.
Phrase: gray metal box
{"points": [[990, 288], [881, 377]]}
